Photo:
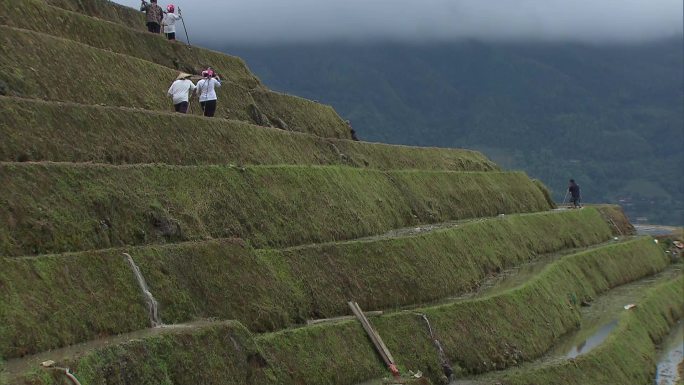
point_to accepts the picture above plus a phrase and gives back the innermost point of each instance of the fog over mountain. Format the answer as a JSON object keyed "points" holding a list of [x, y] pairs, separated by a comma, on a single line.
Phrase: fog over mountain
{"points": [[276, 21]]}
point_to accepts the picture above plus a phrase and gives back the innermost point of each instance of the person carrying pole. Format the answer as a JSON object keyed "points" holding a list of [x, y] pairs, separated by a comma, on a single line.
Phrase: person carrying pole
{"points": [[169, 22], [180, 91], [574, 190], [206, 90], [153, 14]]}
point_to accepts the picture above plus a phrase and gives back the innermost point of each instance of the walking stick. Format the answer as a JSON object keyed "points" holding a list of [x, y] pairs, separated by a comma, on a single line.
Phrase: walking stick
{"points": [[180, 12]]}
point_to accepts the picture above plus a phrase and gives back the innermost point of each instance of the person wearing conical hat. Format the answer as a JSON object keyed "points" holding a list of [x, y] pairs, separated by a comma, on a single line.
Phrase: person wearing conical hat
{"points": [[180, 92]]}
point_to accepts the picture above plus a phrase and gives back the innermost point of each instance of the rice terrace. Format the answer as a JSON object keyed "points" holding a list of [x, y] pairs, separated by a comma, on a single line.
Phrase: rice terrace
{"points": [[266, 246]]}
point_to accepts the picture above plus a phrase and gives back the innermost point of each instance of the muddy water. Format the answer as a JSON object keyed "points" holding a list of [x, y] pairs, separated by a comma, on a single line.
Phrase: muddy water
{"points": [[17, 367], [601, 318], [671, 356]]}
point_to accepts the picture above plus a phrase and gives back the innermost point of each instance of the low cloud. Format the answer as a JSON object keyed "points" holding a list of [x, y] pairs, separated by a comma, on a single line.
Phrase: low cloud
{"points": [[278, 21]]}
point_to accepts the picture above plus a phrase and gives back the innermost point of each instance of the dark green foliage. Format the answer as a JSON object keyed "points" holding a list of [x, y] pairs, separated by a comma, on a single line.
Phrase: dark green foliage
{"points": [[67, 207], [117, 135]]}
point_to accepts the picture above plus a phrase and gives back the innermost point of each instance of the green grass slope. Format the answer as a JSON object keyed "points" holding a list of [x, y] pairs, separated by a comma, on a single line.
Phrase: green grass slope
{"points": [[38, 16], [218, 354], [69, 207], [527, 319], [105, 10], [269, 289], [477, 335], [78, 133], [56, 301], [35, 65], [628, 356]]}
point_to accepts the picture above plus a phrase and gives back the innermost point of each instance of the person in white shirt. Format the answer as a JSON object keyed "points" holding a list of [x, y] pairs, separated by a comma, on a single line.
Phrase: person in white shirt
{"points": [[169, 22], [206, 90], [180, 91]]}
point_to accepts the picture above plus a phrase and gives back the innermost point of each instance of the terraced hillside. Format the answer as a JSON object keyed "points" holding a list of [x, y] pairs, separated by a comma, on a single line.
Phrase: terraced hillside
{"points": [[143, 247]]}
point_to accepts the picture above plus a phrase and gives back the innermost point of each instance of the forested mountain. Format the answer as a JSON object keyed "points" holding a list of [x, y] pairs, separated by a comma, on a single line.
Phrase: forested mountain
{"points": [[612, 117]]}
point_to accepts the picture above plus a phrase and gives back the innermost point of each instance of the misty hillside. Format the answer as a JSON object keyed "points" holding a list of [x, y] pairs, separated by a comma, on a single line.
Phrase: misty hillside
{"points": [[609, 116]]}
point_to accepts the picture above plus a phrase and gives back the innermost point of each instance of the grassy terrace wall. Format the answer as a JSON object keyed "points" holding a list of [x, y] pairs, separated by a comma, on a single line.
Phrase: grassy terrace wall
{"points": [[385, 273], [219, 354], [105, 10], [478, 335], [70, 207], [38, 16], [118, 135], [35, 65], [480, 330], [270, 290], [628, 356]]}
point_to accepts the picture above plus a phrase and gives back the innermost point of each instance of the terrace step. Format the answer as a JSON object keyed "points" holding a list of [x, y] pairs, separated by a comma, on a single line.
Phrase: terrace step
{"points": [[296, 355], [60, 207], [31, 73], [617, 353], [121, 135], [270, 289]]}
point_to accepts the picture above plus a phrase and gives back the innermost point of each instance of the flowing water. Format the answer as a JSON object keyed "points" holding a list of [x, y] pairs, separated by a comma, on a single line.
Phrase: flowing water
{"points": [[152, 304], [671, 357]]}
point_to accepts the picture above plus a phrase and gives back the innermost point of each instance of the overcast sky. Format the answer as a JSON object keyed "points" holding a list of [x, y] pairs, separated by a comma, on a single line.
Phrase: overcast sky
{"points": [[255, 21]]}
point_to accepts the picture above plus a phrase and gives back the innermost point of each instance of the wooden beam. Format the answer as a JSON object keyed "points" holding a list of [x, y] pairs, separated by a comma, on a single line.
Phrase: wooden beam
{"points": [[372, 334]]}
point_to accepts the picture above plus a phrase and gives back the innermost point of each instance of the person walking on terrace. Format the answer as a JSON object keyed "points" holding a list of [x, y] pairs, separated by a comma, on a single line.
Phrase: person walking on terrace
{"points": [[180, 91], [169, 22], [153, 14], [574, 190], [206, 90]]}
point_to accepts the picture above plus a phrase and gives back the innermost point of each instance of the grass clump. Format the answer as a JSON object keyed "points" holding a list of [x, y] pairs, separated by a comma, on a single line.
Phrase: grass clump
{"points": [[119, 136], [39, 66], [616, 217], [54, 301], [51, 208], [628, 355]]}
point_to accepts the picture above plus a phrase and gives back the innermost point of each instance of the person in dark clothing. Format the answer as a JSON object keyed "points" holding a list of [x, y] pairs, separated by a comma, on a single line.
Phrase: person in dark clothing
{"points": [[574, 190], [153, 14]]}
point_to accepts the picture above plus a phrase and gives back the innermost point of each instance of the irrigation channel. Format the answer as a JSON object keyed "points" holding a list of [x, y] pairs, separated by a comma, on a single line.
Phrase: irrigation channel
{"points": [[598, 321], [671, 357]]}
